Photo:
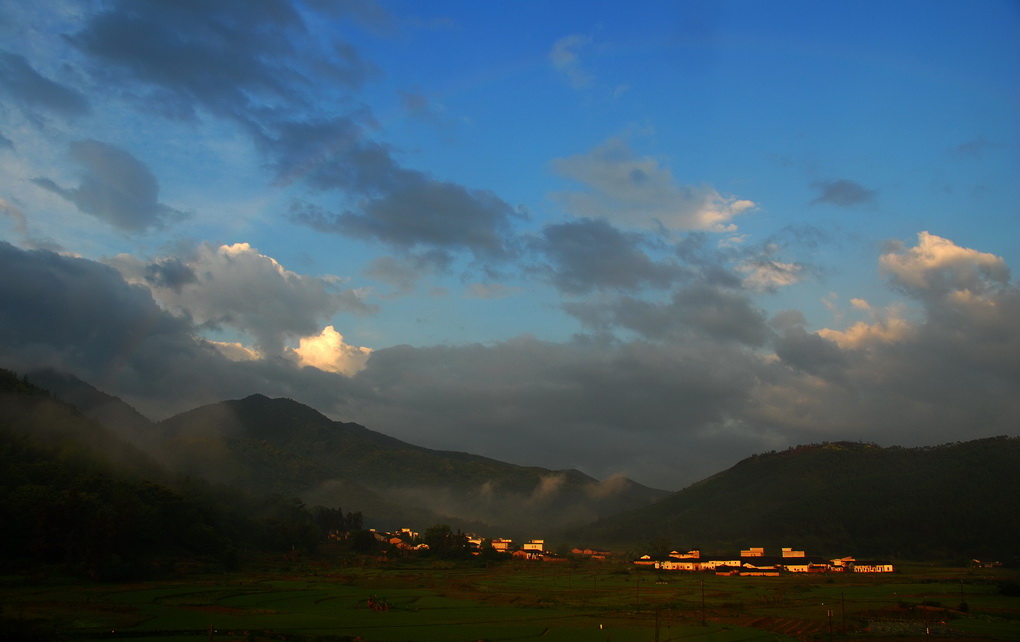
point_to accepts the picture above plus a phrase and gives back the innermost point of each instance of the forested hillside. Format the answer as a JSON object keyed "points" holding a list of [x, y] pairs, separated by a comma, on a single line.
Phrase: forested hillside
{"points": [[954, 501], [280, 446], [74, 495]]}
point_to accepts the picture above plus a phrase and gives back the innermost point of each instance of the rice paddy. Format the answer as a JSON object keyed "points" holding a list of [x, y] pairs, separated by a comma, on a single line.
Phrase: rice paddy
{"points": [[395, 601]]}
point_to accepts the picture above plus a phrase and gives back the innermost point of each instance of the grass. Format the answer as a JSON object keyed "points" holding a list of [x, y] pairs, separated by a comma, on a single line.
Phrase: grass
{"points": [[515, 601]]}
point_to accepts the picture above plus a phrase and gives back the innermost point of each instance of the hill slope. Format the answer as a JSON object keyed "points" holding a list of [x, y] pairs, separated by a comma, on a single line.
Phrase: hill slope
{"points": [[281, 446], [953, 501], [75, 496]]}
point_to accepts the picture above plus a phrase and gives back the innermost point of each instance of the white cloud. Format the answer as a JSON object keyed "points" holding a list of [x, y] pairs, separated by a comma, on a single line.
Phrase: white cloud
{"points": [[864, 335], [328, 352], [237, 287], [640, 192], [236, 351], [937, 265]]}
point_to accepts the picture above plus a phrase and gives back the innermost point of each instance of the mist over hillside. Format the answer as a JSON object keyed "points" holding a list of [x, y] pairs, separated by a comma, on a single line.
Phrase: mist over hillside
{"points": [[278, 446], [952, 501]]}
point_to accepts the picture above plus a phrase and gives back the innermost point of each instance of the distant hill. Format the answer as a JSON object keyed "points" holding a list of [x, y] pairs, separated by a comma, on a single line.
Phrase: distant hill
{"points": [[75, 496], [123, 420], [281, 446], [954, 501]]}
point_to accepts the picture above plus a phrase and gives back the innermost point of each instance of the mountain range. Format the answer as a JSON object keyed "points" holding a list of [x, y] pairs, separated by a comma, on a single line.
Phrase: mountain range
{"points": [[953, 501], [278, 446]]}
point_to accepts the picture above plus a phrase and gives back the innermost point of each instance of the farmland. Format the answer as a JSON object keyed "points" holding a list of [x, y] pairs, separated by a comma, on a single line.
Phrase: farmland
{"points": [[426, 600]]}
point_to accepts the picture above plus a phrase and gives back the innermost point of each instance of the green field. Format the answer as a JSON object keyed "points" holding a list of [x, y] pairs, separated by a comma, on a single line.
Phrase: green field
{"points": [[378, 601]]}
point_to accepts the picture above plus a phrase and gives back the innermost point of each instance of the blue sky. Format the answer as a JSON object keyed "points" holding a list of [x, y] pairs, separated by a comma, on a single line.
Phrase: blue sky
{"points": [[644, 239]]}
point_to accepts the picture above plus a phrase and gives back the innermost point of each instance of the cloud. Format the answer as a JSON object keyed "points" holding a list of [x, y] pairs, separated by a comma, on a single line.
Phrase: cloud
{"points": [[16, 216], [94, 324], [640, 192], [766, 275], [418, 213], [844, 193], [237, 287], [590, 254], [228, 58], [706, 380], [565, 59], [328, 352], [33, 91], [89, 322], [599, 408], [116, 188], [490, 291], [697, 313], [236, 351], [935, 374], [418, 105], [937, 266], [251, 65], [886, 328]]}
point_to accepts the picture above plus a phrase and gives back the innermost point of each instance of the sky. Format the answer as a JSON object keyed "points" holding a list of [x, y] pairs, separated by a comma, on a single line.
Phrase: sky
{"points": [[643, 239]]}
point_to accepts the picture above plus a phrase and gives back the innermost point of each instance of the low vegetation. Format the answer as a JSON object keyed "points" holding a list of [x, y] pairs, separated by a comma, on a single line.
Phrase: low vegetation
{"points": [[335, 596]]}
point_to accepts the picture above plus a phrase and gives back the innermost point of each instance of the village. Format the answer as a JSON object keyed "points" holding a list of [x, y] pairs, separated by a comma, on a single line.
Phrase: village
{"points": [[751, 562]]}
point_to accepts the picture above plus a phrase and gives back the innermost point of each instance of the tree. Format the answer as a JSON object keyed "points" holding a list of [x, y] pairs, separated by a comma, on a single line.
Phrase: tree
{"points": [[443, 542]]}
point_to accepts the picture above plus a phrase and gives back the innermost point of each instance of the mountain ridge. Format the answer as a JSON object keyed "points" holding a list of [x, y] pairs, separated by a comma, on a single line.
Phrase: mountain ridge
{"points": [[960, 498], [280, 446]]}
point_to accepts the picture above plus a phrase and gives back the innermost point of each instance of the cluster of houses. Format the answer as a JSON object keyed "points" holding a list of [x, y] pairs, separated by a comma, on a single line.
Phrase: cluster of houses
{"points": [[406, 539], [750, 562], [754, 562]]}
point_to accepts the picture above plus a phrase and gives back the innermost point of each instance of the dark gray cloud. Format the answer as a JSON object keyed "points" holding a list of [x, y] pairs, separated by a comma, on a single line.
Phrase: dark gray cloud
{"points": [[418, 213], [600, 408], [330, 154], [843, 192], [172, 273], [116, 188], [944, 377], [806, 351], [404, 273], [591, 254], [33, 91], [222, 56], [699, 312], [666, 412], [81, 316], [251, 63]]}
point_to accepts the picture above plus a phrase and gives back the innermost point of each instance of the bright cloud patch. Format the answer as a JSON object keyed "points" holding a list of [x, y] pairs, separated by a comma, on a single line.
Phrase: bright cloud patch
{"points": [[237, 287], [236, 351], [328, 352], [938, 265], [864, 335], [640, 192]]}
